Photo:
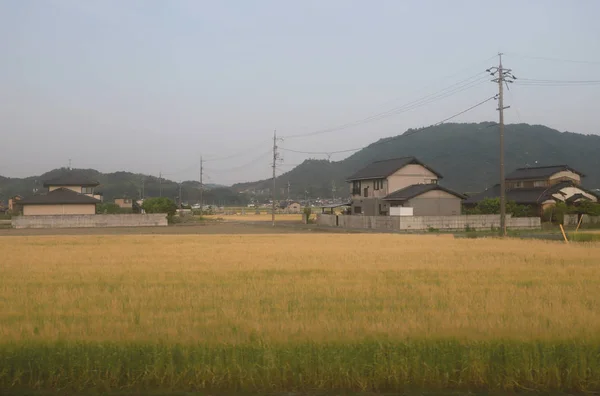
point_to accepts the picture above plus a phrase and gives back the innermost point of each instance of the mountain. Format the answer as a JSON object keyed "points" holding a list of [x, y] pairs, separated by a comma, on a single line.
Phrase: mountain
{"points": [[467, 155], [126, 184]]}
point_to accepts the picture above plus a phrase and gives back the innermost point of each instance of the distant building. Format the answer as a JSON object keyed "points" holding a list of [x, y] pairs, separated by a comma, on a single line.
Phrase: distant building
{"points": [[124, 203], [68, 194], [401, 183], [540, 187], [13, 204]]}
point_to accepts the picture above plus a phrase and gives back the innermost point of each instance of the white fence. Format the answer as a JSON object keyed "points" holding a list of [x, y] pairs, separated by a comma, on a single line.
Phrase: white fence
{"points": [[89, 221], [424, 223], [573, 219]]}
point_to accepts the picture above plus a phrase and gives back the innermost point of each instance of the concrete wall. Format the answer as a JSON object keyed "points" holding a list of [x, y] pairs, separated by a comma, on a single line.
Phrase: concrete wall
{"points": [[59, 209], [87, 221], [423, 223]]}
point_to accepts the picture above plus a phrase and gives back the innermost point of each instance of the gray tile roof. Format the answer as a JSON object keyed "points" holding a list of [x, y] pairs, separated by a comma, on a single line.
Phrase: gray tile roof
{"points": [[539, 172], [383, 169], [415, 190], [71, 179], [59, 196]]}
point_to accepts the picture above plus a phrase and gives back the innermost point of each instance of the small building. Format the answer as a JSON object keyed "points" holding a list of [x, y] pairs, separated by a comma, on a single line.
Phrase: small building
{"points": [[293, 207], [67, 195], [401, 182], [13, 204], [540, 188], [124, 203]]}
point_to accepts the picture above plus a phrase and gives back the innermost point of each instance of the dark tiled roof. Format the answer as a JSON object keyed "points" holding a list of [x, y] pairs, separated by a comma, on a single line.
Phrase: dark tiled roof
{"points": [[71, 179], [382, 169], [524, 196], [415, 190], [59, 196], [539, 172]]}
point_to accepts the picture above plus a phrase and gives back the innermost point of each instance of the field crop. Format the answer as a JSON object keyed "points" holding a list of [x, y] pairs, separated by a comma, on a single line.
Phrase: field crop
{"points": [[322, 312]]}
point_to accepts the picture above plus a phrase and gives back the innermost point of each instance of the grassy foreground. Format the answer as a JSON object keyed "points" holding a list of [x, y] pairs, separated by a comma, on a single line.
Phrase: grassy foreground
{"points": [[264, 313]]}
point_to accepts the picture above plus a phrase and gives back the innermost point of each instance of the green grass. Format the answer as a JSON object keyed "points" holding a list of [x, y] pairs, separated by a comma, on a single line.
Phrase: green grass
{"points": [[583, 237], [368, 366]]}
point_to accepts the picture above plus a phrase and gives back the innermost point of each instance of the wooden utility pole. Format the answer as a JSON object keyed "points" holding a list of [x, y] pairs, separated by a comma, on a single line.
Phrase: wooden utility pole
{"points": [[275, 155], [160, 182], [504, 76], [180, 207], [201, 186], [501, 120]]}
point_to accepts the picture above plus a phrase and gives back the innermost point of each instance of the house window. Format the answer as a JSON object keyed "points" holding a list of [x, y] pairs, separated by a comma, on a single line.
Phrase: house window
{"points": [[433, 181], [366, 192], [357, 210], [378, 184], [87, 190], [356, 187], [540, 183]]}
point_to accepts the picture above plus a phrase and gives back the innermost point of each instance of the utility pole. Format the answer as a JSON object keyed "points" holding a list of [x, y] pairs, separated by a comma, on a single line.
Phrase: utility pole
{"points": [[180, 207], [69, 163], [504, 77], [288, 191], [201, 186], [143, 185], [333, 190], [160, 182], [275, 156]]}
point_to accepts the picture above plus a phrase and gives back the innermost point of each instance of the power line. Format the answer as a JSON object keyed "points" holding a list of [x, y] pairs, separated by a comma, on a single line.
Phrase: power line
{"points": [[245, 151], [395, 137], [533, 80], [554, 59], [253, 161], [453, 89]]}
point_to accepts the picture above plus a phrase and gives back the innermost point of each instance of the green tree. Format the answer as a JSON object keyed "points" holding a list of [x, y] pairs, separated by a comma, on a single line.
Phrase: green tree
{"points": [[160, 205], [492, 206], [108, 208]]}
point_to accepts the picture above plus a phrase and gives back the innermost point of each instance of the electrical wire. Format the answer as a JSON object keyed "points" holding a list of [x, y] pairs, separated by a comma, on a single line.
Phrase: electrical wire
{"points": [[393, 138], [453, 89], [255, 160], [553, 59]]}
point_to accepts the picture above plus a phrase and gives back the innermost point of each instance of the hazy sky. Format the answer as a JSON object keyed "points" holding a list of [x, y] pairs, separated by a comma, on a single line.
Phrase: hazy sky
{"points": [[148, 86]]}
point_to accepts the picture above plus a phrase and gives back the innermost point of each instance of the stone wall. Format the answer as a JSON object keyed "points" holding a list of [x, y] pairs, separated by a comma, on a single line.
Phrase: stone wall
{"points": [[424, 223], [88, 221]]}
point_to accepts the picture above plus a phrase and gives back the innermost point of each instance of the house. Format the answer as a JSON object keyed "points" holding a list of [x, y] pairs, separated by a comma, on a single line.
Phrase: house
{"points": [[66, 195], [540, 187], [124, 203], [293, 207], [401, 183], [13, 204]]}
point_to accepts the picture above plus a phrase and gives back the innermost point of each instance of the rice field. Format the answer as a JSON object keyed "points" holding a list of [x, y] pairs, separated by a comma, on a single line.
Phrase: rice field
{"points": [[297, 312]]}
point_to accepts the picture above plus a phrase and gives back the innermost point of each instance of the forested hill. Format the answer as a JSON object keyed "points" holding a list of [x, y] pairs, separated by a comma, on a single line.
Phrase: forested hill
{"points": [[467, 155], [125, 185]]}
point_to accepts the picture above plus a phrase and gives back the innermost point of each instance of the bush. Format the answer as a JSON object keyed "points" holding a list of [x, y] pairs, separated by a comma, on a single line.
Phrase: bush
{"points": [[108, 208], [307, 213], [160, 205], [492, 206]]}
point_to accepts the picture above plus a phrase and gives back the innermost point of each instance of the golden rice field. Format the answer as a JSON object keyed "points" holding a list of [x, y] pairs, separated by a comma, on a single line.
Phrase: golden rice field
{"points": [[323, 312]]}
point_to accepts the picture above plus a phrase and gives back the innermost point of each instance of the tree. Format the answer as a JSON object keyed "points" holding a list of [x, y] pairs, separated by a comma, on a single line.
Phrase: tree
{"points": [[108, 208], [160, 205], [492, 206]]}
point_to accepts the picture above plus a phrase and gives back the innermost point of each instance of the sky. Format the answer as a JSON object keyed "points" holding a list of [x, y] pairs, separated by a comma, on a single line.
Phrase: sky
{"points": [[149, 86]]}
